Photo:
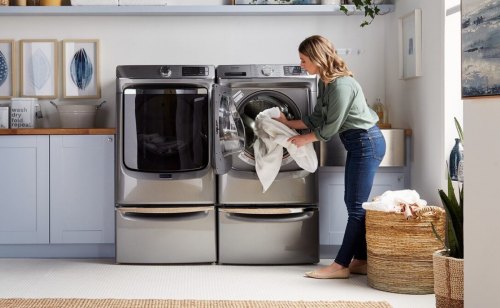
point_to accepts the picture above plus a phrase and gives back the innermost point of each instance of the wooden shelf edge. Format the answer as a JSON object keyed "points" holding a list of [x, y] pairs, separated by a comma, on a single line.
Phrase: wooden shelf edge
{"points": [[59, 131]]}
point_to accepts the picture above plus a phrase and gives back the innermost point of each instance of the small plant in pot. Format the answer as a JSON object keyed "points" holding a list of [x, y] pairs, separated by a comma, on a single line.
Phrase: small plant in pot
{"points": [[449, 263]]}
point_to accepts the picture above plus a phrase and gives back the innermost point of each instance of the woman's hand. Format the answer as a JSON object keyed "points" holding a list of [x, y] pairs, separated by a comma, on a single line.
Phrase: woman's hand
{"points": [[301, 140], [282, 118]]}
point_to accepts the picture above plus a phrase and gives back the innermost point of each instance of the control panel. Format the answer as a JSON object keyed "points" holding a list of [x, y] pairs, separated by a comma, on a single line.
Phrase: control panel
{"points": [[195, 71], [294, 71]]}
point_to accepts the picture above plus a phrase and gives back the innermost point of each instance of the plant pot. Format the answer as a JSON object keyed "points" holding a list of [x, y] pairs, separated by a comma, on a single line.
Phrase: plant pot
{"points": [[448, 280]]}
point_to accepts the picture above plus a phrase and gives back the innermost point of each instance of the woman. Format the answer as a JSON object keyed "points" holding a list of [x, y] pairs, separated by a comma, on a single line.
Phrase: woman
{"points": [[341, 108]]}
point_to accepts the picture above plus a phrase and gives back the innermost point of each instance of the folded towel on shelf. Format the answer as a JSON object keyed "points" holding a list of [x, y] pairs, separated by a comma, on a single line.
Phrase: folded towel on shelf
{"points": [[272, 137], [94, 2], [142, 2], [399, 201]]}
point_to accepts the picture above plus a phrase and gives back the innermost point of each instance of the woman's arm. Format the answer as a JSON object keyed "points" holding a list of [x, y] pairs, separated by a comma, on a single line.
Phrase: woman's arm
{"points": [[294, 124]]}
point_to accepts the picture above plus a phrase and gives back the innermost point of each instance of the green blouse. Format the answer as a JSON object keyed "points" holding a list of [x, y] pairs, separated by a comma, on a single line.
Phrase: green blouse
{"points": [[341, 106]]}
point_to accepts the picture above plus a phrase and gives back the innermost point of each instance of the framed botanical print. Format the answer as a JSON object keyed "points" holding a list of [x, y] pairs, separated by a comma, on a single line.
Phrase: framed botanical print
{"points": [[480, 49], [7, 69], [81, 69], [39, 68]]}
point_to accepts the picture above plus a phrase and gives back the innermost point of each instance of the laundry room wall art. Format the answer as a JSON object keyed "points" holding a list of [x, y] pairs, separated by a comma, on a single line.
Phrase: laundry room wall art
{"points": [[7, 69], [39, 68], [81, 69], [480, 51]]}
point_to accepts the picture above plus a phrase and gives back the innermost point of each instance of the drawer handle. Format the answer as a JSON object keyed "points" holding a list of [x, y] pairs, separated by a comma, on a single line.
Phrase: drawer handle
{"points": [[176, 210], [273, 211]]}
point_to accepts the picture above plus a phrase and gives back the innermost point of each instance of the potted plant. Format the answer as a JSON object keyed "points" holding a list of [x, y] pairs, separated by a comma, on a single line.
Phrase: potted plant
{"points": [[368, 6], [449, 263]]}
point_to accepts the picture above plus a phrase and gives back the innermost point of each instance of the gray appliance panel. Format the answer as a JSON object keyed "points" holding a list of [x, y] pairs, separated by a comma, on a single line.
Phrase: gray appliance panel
{"points": [[166, 238], [244, 187], [269, 239], [148, 188], [333, 152]]}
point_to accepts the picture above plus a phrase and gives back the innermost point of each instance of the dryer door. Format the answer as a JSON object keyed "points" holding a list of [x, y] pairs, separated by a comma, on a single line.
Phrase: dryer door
{"points": [[229, 136]]}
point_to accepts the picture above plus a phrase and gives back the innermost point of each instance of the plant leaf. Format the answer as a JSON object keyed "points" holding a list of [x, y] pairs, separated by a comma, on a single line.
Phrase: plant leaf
{"points": [[344, 9], [438, 236], [460, 132], [457, 224], [452, 240]]}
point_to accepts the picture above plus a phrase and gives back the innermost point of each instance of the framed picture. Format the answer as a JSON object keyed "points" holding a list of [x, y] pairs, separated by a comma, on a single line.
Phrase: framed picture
{"points": [[410, 45], [480, 51], [7, 69], [81, 69], [39, 68]]}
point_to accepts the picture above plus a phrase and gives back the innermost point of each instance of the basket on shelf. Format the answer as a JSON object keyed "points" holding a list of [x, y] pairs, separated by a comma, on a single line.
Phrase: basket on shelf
{"points": [[400, 251]]}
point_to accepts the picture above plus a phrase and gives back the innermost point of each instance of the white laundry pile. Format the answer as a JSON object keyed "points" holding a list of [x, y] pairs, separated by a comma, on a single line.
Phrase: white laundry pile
{"points": [[272, 137], [406, 201]]}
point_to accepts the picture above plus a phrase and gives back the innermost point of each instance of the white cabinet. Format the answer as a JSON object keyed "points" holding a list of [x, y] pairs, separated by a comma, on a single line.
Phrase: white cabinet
{"points": [[24, 189], [333, 212], [82, 189], [80, 178]]}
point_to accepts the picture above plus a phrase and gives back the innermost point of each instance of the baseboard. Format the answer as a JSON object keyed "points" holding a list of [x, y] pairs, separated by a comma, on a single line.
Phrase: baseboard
{"points": [[58, 251], [328, 251]]}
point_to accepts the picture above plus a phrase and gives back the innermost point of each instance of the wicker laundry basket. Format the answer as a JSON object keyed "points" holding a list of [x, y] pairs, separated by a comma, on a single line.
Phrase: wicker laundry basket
{"points": [[400, 251]]}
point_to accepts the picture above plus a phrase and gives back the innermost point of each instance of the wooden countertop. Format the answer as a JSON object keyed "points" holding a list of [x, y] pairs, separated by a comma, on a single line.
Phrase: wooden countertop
{"points": [[59, 131]]}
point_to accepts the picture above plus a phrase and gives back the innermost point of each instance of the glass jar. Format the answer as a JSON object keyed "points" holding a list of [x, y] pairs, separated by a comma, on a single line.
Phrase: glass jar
{"points": [[33, 2], [379, 109]]}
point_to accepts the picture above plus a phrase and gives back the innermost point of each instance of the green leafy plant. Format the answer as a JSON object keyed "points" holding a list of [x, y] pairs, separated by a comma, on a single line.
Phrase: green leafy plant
{"points": [[368, 7], [454, 213]]}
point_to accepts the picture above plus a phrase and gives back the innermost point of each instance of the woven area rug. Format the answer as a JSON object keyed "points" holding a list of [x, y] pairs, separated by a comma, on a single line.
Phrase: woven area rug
{"points": [[170, 303]]}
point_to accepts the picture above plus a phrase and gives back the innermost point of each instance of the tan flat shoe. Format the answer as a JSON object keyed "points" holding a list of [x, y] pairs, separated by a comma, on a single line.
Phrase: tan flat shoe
{"points": [[342, 274], [360, 269]]}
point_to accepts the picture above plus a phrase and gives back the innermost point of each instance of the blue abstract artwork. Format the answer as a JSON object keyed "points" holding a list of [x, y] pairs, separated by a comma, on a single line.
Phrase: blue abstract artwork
{"points": [[480, 48], [4, 69], [39, 69], [81, 69]]}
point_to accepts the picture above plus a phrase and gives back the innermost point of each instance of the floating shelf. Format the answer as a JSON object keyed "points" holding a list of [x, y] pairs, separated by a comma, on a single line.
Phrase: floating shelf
{"points": [[183, 10]]}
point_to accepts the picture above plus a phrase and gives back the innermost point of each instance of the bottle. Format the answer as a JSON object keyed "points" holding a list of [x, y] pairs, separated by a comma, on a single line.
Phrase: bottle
{"points": [[379, 108]]}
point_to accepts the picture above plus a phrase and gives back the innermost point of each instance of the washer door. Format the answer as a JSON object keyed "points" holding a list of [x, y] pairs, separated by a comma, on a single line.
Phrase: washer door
{"points": [[229, 135], [251, 107]]}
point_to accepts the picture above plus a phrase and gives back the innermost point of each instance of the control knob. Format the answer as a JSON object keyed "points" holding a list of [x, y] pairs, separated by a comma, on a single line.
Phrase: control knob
{"points": [[267, 70], [165, 71]]}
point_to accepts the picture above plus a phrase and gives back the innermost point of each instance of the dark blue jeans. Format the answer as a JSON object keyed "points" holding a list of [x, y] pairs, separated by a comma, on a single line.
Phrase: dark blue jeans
{"points": [[365, 151]]}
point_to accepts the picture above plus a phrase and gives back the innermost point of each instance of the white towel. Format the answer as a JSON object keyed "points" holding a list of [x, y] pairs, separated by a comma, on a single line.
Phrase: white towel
{"points": [[268, 148], [396, 201], [143, 2], [94, 2]]}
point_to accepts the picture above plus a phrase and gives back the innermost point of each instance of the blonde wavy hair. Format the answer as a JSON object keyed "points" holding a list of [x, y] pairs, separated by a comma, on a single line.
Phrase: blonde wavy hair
{"points": [[322, 54]]}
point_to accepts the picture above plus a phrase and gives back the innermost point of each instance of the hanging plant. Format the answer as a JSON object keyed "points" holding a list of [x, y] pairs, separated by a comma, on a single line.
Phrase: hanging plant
{"points": [[368, 6]]}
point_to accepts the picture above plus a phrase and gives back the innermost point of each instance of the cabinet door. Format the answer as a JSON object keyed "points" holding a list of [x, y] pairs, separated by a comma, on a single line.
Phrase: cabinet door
{"points": [[82, 189], [333, 212], [24, 189]]}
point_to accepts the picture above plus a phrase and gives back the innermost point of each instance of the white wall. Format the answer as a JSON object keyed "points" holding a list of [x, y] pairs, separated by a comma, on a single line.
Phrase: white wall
{"points": [[419, 103], [482, 209], [201, 40]]}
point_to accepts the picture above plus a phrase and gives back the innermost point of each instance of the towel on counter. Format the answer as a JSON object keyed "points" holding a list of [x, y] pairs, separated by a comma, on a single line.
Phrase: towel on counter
{"points": [[272, 137], [94, 2], [143, 2], [406, 201]]}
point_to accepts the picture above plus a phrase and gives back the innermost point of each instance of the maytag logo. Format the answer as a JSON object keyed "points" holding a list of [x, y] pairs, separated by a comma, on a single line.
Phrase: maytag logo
{"points": [[165, 176]]}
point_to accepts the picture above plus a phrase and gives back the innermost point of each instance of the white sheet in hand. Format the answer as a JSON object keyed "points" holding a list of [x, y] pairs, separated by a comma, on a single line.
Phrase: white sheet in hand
{"points": [[268, 148]]}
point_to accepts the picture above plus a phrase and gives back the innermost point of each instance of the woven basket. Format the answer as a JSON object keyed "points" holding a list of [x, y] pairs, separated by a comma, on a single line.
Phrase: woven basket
{"points": [[448, 281], [400, 251]]}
